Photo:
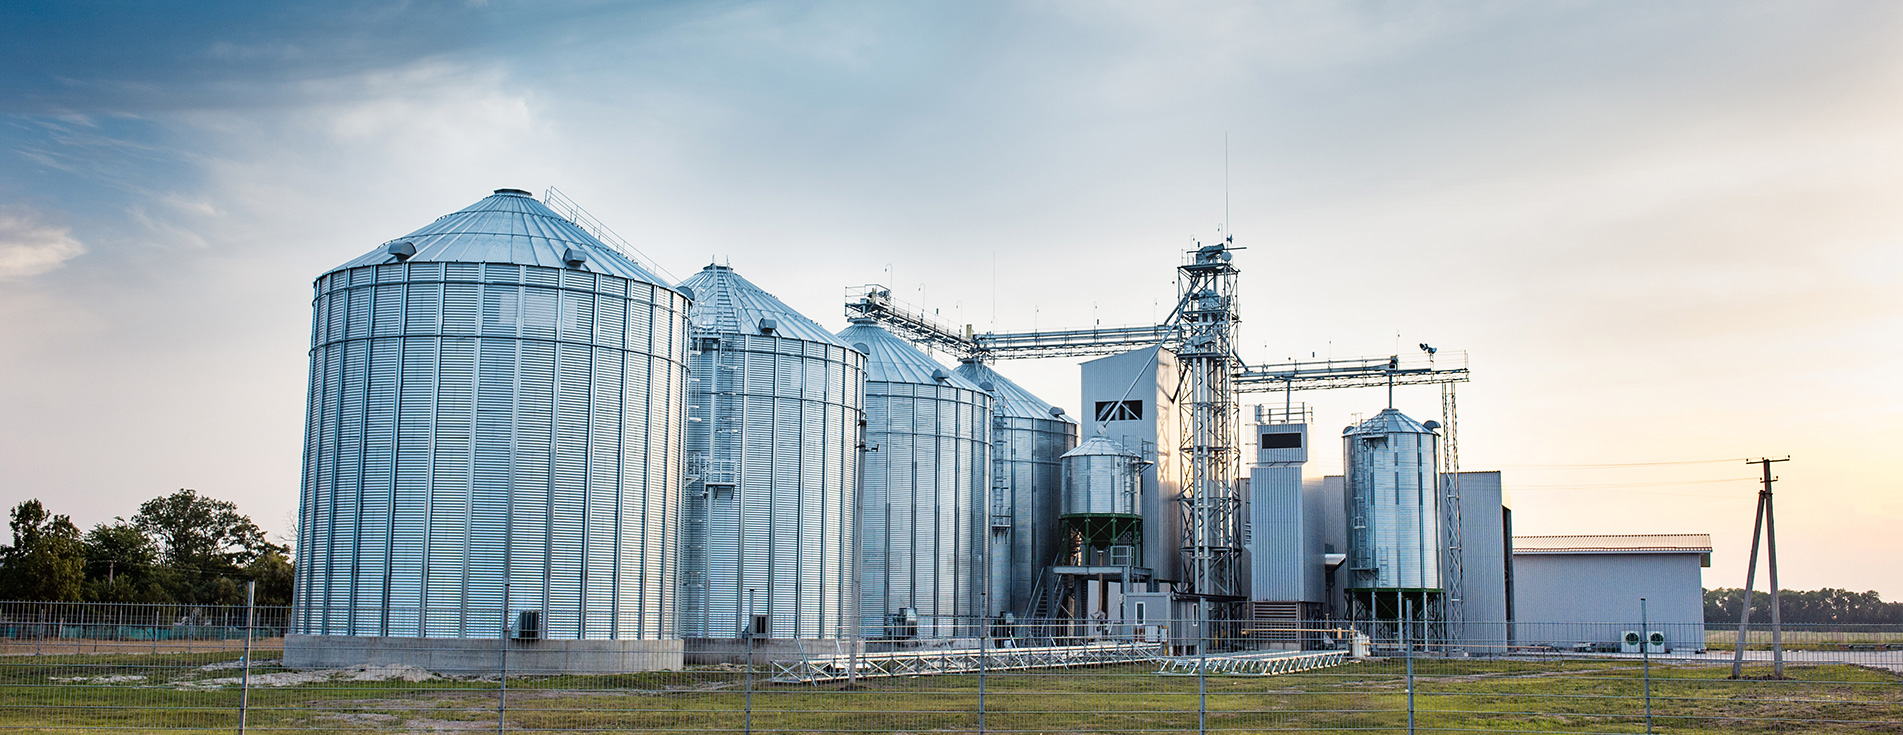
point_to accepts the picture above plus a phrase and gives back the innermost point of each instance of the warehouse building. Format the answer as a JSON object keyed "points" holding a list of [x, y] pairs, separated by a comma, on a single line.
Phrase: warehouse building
{"points": [[1585, 591]]}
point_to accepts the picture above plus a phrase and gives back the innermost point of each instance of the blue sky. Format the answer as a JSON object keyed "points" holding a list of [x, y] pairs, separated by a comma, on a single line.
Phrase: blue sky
{"points": [[1665, 231]]}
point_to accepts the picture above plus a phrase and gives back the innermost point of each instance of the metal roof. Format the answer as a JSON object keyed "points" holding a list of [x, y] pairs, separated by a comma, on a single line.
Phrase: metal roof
{"points": [[893, 360], [509, 226], [1389, 421], [1632, 543], [1012, 400], [1100, 445], [725, 303]]}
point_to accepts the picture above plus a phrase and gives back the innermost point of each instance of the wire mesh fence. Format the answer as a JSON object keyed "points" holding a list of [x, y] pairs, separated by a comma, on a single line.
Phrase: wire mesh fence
{"points": [[176, 668]]}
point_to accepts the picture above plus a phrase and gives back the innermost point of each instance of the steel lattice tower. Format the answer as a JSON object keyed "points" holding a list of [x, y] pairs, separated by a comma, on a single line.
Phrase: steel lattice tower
{"points": [[1212, 533]]}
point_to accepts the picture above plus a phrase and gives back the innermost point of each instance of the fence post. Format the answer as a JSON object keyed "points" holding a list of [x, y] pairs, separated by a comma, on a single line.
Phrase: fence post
{"points": [[749, 705], [502, 677], [1407, 654], [984, 637], [244, 679], [1202, 669], [1645, 653]]}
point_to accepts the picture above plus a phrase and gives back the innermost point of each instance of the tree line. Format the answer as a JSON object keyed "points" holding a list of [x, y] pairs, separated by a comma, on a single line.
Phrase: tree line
{"points": [[1809, 607], [181, 548]]}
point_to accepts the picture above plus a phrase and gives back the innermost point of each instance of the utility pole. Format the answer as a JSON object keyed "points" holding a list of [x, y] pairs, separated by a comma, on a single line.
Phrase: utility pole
{"points": [[1766, 527]]}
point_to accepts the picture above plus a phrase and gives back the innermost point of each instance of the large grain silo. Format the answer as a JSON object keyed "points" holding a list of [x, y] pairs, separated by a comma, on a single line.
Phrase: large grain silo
{"points": [[493, 452], [922, 503], [772, 469], [1393, 509], [1028, 436]]}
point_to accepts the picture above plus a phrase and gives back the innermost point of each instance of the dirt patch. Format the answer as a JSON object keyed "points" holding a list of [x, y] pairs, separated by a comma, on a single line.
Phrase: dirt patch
{"points": [[389, 672]]}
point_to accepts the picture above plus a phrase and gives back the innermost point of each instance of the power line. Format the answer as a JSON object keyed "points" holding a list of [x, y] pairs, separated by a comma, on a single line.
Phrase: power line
{"points": [[1591, 486], [1616, 465]]}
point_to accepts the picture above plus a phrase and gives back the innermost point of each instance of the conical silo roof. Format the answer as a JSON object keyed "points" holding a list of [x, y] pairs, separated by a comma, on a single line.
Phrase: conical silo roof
{"points": [[893, 360], [509, 226], [1100, 446], [725, 303], [1011, 400], [1389, 421]]}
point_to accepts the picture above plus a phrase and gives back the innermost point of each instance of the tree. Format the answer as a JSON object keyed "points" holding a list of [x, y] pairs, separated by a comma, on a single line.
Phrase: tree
{"points": [[46, 561], [122, 565], [206, 543], [1827, 606], [274, 574]]}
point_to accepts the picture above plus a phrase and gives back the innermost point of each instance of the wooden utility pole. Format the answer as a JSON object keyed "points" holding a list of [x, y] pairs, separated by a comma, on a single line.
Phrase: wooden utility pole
{"points": [[1766, 527]]}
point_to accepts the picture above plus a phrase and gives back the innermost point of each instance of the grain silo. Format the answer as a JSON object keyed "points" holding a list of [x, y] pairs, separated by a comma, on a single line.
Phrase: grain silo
{"points": [[1393, 509], [923, 512], [493, 451], [1028, 436], [774, 405]]}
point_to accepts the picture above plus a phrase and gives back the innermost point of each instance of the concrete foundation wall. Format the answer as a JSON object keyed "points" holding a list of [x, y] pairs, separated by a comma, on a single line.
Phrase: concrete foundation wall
{"points": [[483, 655], [735, 650]]}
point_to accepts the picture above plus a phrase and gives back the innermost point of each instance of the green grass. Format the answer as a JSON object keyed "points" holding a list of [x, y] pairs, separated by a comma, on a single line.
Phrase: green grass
{"points": [[1758, 638], [1480, 695]]}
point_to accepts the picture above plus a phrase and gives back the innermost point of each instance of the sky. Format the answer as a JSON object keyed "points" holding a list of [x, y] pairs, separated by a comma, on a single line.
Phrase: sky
{"points": [[1666, 234]]}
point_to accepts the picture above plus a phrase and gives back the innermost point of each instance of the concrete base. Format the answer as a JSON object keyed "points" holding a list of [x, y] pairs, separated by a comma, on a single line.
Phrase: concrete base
{"points": [[478, 656], [734, 650]]}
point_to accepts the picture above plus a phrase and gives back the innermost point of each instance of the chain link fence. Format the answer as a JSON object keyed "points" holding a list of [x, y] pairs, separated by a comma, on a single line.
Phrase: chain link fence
{"points": [[181, 668]]}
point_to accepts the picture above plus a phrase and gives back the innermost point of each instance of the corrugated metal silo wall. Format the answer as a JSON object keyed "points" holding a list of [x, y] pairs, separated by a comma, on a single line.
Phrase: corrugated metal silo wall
{"points": [[475, 426], [773, 473], [1028, 452], [1281, 565], [1393, 482], [923, 505], [1101, 484]]}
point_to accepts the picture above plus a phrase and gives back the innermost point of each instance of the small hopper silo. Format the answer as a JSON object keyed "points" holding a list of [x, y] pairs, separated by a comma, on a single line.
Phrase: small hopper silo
{"points": [[1391, 470]]}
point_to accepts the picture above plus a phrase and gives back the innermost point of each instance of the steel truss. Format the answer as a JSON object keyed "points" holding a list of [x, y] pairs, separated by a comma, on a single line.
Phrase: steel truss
{"points": [[1211, 509], [925, 662], [1354, 372], [875, 302], [1252, 664]]}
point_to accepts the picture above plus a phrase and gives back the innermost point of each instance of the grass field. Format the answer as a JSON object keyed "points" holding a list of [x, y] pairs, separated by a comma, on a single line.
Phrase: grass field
{"points": [[1758, 638], [78, 693]]}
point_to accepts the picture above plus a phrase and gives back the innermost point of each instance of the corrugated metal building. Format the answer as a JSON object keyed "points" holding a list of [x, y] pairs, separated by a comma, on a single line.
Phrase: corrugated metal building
{"points": [[774, 405], [1131, 398], [1572, 590], [1287, 569], [493, 429]]}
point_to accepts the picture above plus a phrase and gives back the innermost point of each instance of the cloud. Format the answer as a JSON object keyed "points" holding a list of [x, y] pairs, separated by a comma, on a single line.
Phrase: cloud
{"points": [[30, 246]]}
